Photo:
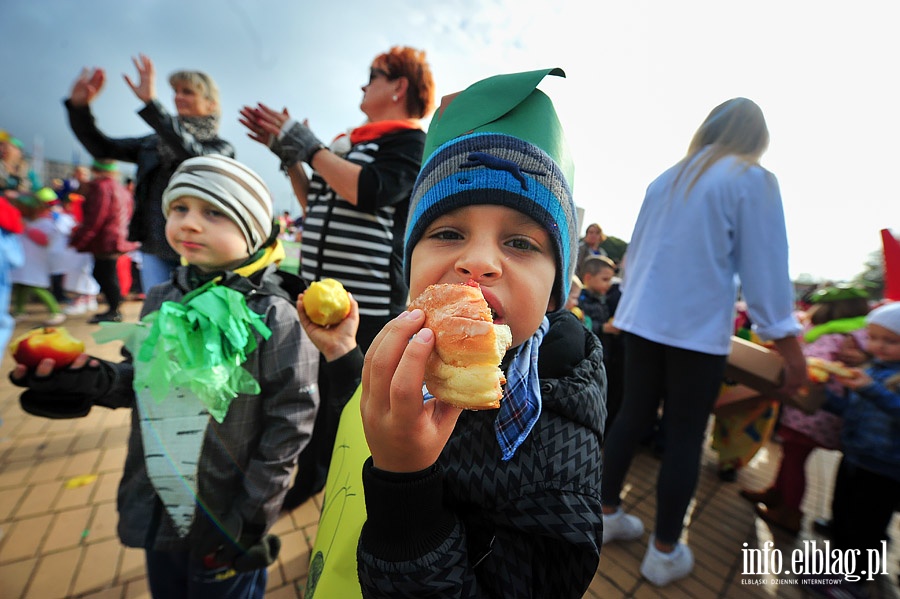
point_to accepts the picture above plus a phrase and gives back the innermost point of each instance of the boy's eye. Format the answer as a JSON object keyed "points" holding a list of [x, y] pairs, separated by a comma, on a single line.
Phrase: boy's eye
{"points": [[522, 244], [445, 234], [177, 208], [215, 213]]}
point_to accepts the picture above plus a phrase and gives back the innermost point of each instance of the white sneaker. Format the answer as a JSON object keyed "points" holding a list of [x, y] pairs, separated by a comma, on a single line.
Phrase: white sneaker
{"points": [[91, 304], [76, 308], [56, 319], [662, 568], [621, 527]]}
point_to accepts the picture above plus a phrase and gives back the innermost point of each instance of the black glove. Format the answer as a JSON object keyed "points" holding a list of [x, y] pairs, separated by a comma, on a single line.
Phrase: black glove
{"points": [[230, 543], [65, 393], [297, 143], [261, 555], [559, 351]]}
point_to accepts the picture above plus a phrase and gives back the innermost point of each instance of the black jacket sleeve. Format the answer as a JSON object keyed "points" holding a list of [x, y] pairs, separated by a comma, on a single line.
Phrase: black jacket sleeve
{"points": [[389, 178], [81, 120]]}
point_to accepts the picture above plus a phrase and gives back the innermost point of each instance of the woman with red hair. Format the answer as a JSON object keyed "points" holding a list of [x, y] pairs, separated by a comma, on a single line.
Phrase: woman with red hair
{"points": [[355, 205]]}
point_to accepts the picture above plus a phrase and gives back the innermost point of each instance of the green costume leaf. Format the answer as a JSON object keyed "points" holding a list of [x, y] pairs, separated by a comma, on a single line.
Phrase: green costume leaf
{"points": [[509, 104], [842, 325], [199, 343]]}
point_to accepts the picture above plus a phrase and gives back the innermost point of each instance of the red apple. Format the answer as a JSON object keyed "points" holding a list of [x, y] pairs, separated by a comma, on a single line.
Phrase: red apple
{"points": [[46, 342]]}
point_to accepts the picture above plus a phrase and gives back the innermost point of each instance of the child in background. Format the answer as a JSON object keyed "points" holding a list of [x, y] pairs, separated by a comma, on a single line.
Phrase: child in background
{"points": [[13, 167], [867, 485], [597, 277], [78, 279], [220, 406], [490, 503], [33, 277], [836, 313], [572, 302], [125, 266], [64, 224], [103, 233], [599, 300], [11, 256]]}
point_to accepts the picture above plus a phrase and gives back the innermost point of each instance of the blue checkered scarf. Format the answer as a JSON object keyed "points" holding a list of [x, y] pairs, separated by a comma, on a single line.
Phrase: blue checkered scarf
{"points": [[521, 407]]}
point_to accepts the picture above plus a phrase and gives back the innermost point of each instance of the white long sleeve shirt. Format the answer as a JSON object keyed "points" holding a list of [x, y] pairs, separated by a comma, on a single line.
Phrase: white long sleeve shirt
{"points": [[689, 255]]}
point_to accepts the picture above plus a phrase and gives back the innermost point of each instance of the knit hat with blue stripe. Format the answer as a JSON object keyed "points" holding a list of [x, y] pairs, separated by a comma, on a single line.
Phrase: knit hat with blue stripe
{"points": [[500, 142]]}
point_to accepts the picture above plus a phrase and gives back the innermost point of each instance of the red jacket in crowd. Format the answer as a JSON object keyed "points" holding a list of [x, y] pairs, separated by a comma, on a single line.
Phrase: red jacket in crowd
{"points": [[107, 211]]}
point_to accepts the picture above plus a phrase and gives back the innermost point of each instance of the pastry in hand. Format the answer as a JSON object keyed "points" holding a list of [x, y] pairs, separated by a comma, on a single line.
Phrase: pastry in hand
{"points": [[464, 368], [819, 370]]}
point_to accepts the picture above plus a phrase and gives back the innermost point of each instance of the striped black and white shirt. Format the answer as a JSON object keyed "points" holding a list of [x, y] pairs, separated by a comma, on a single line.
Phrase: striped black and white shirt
{"points": [[362, 246]]}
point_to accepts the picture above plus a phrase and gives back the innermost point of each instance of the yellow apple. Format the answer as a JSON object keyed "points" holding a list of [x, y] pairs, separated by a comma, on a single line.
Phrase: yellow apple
{"points": [[326, 302]]}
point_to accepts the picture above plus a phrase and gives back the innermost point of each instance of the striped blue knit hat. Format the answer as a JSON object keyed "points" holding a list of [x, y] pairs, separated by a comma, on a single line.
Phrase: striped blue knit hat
{"points": [[500, 142]]}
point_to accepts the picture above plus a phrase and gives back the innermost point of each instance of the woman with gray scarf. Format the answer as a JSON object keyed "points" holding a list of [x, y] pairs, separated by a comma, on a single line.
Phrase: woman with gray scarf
{"points": [[193, 132]]}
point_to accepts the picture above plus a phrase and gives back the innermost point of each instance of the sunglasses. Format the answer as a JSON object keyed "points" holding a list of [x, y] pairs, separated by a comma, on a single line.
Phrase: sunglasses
{"points": [[375, 73]]}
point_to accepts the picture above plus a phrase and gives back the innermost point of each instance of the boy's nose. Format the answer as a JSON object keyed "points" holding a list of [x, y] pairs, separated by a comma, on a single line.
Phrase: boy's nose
{"points": [[479, 264], [190, 220]]}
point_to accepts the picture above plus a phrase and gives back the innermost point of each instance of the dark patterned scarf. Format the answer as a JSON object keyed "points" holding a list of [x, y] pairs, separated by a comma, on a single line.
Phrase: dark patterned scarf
{"points": [[203, 128]]}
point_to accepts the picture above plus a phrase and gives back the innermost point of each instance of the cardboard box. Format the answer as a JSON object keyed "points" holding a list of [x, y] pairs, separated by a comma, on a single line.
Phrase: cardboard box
{"points": [[755, 366], [736, 398], [759, 369]]}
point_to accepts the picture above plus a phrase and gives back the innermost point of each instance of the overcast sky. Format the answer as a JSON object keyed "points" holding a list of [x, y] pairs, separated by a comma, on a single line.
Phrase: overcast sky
{"points": [[641, 76]]}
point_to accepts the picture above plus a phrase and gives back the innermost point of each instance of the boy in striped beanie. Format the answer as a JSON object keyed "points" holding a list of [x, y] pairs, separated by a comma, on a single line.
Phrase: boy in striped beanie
{"points": [[221, 380], [229, 186]]}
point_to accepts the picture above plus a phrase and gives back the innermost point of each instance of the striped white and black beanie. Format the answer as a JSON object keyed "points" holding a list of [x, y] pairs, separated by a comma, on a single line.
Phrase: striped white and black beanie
{"points": [[500, 142], [232, 187]]}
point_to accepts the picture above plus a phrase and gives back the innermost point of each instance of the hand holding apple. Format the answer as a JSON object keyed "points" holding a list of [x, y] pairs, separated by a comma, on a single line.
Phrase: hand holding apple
{"points": [[54, 343], [46, 367], [332, 341], [54, 391]]}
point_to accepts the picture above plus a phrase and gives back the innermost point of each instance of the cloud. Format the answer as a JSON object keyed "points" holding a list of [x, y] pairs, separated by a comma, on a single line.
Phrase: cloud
{"points": [[640, 78]]}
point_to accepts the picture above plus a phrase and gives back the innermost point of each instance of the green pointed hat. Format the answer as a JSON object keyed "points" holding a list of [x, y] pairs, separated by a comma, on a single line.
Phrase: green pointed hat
{"points": [[499, 142], [509, 104], [834, 293], [45, 194], [105, 165]]}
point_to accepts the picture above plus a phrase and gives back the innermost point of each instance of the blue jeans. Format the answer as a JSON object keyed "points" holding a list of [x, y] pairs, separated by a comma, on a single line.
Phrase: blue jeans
{"points": [[175, 575], [155, 271]]}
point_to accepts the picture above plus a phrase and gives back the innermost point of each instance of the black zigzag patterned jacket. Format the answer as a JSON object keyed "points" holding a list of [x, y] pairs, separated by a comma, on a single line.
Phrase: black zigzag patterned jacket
{"points": [[476, 526]]}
